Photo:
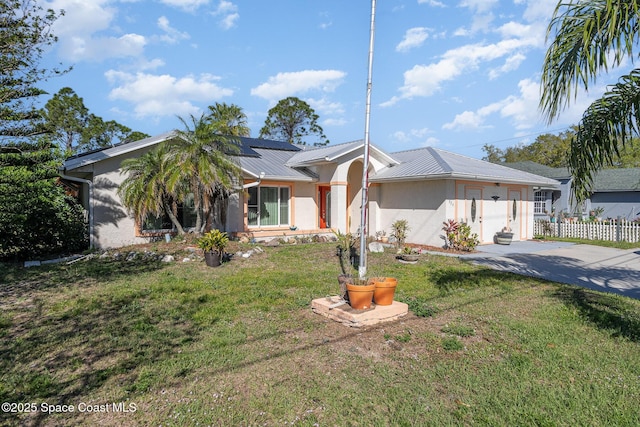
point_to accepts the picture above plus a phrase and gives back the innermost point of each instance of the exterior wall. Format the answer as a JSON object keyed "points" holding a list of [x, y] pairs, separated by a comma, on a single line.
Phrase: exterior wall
{"points": [[113, 226], [422, 203], [305, 209], [623, 203]]}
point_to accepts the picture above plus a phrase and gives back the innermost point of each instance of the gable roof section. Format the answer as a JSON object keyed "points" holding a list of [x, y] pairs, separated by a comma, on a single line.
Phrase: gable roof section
{"points": [[273, 164], [331, 153], [91, 157], [432, 163]]}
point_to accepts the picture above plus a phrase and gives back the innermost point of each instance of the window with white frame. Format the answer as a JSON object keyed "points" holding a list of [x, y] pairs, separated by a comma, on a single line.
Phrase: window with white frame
{"points": [[539, 202], [268, 206]]}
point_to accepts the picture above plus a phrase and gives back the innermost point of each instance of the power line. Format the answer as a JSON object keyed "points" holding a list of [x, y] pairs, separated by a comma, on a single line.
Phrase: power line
{"points": [[518, 137]]}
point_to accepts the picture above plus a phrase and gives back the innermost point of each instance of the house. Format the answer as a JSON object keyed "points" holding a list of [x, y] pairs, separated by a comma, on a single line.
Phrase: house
{"points": [[298, 190], [616, 192]]}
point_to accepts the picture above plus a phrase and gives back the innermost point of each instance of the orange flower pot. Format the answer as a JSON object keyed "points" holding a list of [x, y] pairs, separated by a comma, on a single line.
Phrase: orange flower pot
{"points": [[385, 289], [360, 296]]}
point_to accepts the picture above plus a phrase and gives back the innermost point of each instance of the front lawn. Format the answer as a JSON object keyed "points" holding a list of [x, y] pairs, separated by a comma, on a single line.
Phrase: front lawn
{"points": [[146, 343]]}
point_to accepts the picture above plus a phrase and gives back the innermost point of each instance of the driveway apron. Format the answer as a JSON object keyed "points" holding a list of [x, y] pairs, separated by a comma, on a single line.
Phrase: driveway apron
{"points": [[593, 267]]}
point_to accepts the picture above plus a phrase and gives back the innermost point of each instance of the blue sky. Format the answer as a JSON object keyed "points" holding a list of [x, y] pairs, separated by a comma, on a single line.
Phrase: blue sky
{"points": [[450, 74]]}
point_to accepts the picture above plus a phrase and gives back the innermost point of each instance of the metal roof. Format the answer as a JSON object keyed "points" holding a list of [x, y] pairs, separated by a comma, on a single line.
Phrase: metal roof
{"points": [[272, 163], [90, 157], [331, 153], [432, 163], [281, 160]]}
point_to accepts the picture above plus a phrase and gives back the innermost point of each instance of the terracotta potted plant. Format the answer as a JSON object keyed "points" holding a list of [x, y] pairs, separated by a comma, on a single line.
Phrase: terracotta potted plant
{"points": [[385, 289], [358, 293], [213, 244], [381, 236]]}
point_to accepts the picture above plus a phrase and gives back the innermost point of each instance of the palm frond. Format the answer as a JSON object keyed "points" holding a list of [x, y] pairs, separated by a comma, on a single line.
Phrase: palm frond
{"points": [[589, 37], [609, 123]]}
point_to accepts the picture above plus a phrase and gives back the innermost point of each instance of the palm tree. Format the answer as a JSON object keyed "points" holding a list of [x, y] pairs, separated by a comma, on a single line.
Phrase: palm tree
{"points": [[228, 120], [144, 190], [591, 37], [200, 156]]}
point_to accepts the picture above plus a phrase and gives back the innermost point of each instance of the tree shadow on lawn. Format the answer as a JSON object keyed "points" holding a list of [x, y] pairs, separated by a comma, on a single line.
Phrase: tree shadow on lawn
{"points": [[18, 282], [59, 354], [608, 312], [447, 280]]}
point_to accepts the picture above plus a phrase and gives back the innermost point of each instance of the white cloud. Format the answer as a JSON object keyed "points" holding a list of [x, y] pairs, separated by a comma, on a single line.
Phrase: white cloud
{"points": [[414, 37], [412, 135], [522, 110], [510, 64], [290, 84], [171, 35], [425, 80], [433, 3], [155, 95], [326, 107], [229, 13], [479, 6], [77, 28], [188, 5]]}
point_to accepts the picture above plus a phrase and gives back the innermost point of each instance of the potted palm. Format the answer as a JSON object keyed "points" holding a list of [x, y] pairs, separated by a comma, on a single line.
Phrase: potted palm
{"points": [[358, 293], [213, 244]]}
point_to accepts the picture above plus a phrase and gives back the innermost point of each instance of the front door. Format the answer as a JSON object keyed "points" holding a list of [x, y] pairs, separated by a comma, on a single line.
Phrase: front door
{"points": [[473, 210], [324, 204]]}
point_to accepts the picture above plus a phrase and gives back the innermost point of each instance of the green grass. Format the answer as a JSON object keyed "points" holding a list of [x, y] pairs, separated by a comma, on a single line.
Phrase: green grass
{"points": [[604, 243], [239, 345]]}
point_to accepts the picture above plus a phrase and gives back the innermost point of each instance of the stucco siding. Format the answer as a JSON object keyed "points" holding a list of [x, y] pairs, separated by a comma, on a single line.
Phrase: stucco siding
{"points": [[305, 209], [619, 203], [422, 203], [113, 226]]}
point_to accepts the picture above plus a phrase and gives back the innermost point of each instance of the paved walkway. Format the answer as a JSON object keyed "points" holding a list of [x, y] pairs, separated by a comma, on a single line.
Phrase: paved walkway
{"points": [[593, 267]]}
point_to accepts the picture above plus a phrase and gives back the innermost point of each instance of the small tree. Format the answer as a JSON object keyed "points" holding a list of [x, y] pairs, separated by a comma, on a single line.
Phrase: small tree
{"points": [[292, 120], [37, 216], [24, 36], [74, 129], [399, 230]]}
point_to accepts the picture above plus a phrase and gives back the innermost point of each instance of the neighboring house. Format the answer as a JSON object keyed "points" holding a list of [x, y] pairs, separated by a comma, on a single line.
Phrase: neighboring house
{"points": [[615, 191], [298, 190]]}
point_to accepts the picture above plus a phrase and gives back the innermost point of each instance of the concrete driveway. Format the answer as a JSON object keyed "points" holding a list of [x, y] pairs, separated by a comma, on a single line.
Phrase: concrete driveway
{"points": [[593, 267]]}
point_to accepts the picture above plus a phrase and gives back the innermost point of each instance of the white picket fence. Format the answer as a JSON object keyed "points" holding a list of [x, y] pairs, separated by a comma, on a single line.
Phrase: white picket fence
{"points": [[617, 230]]}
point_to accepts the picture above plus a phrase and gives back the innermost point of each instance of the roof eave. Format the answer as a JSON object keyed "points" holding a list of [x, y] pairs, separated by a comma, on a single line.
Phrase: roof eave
{"points": [[451, 175]]}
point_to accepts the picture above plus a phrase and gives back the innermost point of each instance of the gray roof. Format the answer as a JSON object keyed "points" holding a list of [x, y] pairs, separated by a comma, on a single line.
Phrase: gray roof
{"points": [[542, 170], [605, 180], [331, 153], [609, 180], [272, 163], [432, 163], [287, 162], [90, 157]]}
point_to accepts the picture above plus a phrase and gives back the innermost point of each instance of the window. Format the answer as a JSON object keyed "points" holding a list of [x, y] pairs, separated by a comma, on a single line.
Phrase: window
{"points": [[186, 214], [539, 202], [268, 206]]}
